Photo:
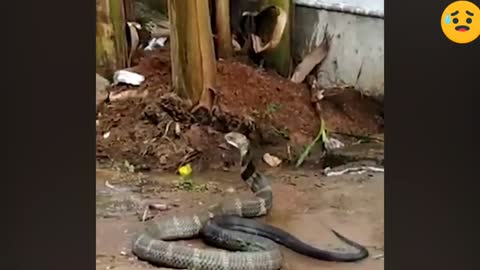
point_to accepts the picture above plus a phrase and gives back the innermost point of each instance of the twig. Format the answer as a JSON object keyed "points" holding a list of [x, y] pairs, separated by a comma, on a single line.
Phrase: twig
{"points": [[145, 214], [167, 128], [189, 157], [165, 135], [171, 142]]}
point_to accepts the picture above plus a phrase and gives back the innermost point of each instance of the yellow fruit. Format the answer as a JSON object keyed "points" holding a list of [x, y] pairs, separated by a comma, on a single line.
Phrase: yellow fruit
{"points": [[185, 170]]}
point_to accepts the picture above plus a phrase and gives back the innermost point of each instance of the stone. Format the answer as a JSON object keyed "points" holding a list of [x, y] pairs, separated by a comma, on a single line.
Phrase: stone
{"points": [[101, 89]]}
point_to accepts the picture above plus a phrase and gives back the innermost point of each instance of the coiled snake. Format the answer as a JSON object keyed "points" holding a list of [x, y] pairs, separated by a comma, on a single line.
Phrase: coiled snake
{"points": [[224, 225]]}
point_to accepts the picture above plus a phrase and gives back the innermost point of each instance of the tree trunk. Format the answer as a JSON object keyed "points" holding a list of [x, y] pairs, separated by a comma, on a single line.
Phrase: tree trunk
{"points": [[111, 42], [280, 57], [129, 10], [224, 34], [192, 51]]}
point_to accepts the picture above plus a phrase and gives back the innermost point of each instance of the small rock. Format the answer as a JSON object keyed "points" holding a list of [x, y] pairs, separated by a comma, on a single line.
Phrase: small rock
{"points": [[271, 160], [98, 261], [158, 206], [163, 160], [101, 89], [230, 190], [123, 253], [106, 135]]}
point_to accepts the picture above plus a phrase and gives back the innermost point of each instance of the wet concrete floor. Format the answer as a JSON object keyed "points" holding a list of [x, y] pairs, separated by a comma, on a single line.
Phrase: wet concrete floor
{"points": [[306, 204]]}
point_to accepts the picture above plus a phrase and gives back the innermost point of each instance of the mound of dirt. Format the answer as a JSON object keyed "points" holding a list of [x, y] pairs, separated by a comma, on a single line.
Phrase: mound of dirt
{"points": [[138, 130]]}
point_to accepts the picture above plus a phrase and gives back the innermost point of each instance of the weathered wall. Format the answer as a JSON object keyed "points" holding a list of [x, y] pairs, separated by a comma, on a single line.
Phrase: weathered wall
{"points": [[356, 55]]}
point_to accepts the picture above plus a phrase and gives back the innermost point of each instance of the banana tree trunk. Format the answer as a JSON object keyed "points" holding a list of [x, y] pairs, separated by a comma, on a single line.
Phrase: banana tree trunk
{"points": [[111, 43], [192, 51], [129, 10], [224, 33]]}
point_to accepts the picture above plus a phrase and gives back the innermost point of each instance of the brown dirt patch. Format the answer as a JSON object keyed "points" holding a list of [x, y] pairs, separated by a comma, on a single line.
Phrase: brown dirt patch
{"points": [[246, 91], [142, 133]]}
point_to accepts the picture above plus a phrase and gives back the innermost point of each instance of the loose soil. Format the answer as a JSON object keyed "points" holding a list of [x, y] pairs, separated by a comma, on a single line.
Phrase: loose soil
{"points": [[138, 132], [306, 204]]}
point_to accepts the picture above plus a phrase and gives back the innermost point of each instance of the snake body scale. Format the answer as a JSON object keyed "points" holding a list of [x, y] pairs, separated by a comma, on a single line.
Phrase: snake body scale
{"points": [[225, 225]]}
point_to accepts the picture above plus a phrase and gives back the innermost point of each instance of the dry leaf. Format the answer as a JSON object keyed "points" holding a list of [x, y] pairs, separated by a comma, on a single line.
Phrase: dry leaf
{"points": [[134, 40], [236, 45], [275, 38], [310, 62]]}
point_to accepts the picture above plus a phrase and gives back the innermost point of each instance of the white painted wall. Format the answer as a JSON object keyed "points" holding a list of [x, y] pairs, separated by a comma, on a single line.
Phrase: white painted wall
{"points": [[356, 55], [360, 7]]}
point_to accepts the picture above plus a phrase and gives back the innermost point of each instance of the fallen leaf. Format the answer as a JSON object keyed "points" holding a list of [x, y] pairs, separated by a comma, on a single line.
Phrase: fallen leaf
{"points": [[310, 61], [134, 40], [266, 20]]}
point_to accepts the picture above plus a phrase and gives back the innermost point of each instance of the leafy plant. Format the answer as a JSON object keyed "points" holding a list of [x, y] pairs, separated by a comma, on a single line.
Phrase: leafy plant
{"points": [[322, 134], [272, 108]]}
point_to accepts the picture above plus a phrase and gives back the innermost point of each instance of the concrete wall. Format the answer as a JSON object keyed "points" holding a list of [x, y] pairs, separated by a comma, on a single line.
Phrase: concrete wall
{"points": [[356, 55]]}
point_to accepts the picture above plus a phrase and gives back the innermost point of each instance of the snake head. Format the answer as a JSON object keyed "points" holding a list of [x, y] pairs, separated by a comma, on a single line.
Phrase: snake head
{"points": [[237, 140]]}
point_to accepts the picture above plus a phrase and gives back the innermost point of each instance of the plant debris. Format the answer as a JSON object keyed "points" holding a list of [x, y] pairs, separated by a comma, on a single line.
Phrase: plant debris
{"points": [[149, 129]]}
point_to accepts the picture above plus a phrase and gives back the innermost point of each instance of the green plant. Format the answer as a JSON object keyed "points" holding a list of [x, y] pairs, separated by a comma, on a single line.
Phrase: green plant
{"points": [[187, 184], [284, 132], [322, 134], [272, 108]]}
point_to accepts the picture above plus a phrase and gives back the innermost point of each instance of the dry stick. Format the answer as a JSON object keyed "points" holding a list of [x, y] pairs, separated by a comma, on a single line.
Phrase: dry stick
{"points": [[164, 136]]}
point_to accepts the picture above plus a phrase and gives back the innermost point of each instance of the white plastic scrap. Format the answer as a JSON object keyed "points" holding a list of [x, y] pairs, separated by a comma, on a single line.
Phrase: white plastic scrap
{"points": [[156, 42], [106, 135], [353, 170], [128, 77], [332, 143]]}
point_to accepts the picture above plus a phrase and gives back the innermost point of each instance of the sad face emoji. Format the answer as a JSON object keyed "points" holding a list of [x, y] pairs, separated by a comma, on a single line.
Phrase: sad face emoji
{"points": [[461, 22]]}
